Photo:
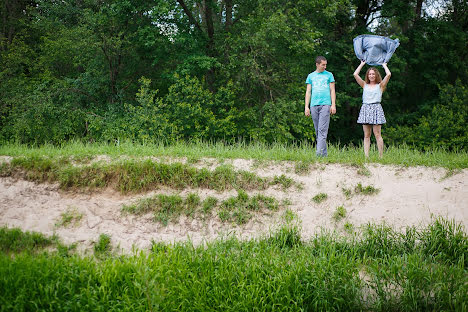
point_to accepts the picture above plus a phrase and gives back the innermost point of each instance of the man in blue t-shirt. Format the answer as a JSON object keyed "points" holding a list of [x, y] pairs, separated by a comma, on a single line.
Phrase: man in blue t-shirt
{"points": [[321, 84]]}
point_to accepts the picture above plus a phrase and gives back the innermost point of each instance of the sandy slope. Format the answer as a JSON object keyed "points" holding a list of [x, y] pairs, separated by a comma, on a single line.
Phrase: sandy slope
{"points": [[408, 196]]}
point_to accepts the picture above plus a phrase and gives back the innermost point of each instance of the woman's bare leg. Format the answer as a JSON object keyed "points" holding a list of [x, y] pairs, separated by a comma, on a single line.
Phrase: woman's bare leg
{"points": [[367, 134], [378, 138]]}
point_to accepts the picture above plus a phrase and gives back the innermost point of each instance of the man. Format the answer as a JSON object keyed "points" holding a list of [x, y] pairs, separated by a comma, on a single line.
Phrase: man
{"points": [[321, 85]]}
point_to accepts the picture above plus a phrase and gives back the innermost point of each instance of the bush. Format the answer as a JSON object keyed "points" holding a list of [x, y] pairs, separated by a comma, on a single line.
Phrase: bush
{"points": [[44, 113], [284, 122], [187, 108], [443, 127]]}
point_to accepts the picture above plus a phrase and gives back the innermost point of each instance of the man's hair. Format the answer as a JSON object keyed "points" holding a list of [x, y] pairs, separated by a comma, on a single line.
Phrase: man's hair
{"points": [[319, 59]]}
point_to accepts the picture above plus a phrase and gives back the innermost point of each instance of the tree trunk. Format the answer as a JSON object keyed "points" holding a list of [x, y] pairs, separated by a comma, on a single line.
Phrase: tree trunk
{"points": [[362, 15], [418, 9], [228, 4]]}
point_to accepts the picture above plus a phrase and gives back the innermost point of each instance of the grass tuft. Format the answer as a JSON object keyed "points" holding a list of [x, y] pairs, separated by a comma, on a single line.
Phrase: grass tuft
{"points": [[208, 205], [282, 180], [71, 217], [103, 246], [364, 171], [349, 227], [286, 237], [319, 198], [339, 213], [348, 193], [239, 209], [366, 190], [451, 172], [302, 167]]}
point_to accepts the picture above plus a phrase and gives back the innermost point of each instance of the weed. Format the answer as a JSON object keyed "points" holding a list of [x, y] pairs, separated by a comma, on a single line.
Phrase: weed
{"points": [[242, 197], [70, 217], [260, 202], [339, 213], [224, 214], [364, 171], [450, 172], [192, 160], [208, 204], [258, 163], [289, 215], [319, 198], [300, 186], [301, 167], [366, 190], [103, 245], [241, 216], [349, 227], [64, 250], [238, 208], [168, 207], [286, 237], [143, 205], [282, 180], [192, 203], [158, 247], [165, 207], [348, 193]]}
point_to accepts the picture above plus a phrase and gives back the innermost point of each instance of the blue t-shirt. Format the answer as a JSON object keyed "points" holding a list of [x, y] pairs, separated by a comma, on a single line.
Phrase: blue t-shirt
{"points": [[320, 87]]}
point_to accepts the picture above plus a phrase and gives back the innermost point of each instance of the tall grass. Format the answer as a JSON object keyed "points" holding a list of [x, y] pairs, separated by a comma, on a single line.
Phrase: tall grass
{"points": [[379, 269], [304, 153], [14, 240]]}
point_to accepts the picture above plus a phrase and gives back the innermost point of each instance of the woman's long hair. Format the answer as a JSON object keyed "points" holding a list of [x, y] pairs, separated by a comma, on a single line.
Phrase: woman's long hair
{"points": [[378, 78]]}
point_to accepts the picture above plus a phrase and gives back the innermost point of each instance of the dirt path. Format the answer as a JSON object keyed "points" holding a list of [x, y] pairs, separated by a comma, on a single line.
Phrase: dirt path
{"points": [[407, 196]]}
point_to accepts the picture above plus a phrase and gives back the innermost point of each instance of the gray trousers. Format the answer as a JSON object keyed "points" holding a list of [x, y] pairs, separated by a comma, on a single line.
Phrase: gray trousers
{"points": [[321, 118]]}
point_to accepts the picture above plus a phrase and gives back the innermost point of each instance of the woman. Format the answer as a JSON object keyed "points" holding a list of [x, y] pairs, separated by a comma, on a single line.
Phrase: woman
{"points": [[372, 115]]}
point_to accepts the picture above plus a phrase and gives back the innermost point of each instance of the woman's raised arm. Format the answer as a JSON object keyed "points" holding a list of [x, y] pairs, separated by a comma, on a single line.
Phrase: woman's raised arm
{"points": [[356, 74], [388, 74]]}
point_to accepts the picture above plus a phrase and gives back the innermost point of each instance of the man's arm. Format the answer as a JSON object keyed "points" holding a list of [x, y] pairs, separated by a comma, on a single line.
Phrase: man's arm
{"points": [[333, 98], [307, 100]]}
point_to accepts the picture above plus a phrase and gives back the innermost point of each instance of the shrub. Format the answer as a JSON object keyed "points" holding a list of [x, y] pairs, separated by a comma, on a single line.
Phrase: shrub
{"points": [[443, 127]]}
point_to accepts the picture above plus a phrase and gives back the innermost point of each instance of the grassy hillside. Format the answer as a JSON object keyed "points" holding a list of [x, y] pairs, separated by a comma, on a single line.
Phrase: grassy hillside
{"points": [[403, 155], [371, 268]]}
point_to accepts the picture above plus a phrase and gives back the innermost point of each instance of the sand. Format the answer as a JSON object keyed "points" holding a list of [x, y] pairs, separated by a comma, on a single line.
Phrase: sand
{"points": [[407, 196]]}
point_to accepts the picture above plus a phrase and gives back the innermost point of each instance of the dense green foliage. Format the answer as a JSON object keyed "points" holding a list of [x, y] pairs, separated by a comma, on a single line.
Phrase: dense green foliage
{"points": [[164, 70], [378, 269]]}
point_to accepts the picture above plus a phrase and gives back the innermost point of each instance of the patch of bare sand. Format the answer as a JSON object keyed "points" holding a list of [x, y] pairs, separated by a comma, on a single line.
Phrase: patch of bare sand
{"points": [[407, 196]]}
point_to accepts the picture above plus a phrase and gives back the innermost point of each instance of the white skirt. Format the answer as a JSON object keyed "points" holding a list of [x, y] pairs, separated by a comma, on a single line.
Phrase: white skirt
{"points": [[371, 114]]}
